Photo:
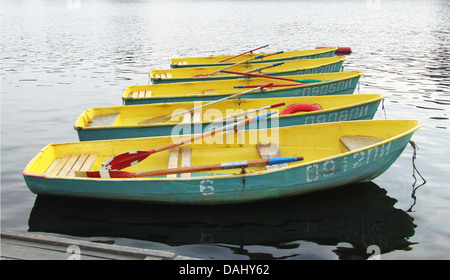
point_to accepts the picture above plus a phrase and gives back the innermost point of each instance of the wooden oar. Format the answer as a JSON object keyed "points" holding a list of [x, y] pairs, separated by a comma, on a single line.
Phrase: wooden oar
{"points": [[272, 77], [263, 67], [238, 63], [251, 111], [251, 51], [198, 168], [134, 157], [161, 119]]}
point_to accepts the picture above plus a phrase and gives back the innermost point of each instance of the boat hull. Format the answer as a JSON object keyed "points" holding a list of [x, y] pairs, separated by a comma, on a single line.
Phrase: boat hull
{"points": [[359, 107], [359, 165], [340, 86], [285, 56], [294, 67]]}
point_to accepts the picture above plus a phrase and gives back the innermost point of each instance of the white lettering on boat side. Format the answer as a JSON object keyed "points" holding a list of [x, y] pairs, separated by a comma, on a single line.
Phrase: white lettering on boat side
{"points": [[329, 168], [206, 187]]}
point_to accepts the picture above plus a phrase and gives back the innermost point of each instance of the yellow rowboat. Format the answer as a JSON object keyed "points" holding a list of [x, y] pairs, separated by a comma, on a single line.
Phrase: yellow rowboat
{"points": [[125, 121], [332, 83], [334, 154], [202, 61], [292, 67]]}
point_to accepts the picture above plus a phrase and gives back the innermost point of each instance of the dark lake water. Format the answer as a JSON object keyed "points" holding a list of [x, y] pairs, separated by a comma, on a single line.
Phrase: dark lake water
{"points": [[59, 58]]}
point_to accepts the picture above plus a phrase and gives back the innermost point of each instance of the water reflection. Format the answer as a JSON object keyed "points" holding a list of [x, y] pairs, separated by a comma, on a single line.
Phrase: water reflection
{"points": [[358, 214]]}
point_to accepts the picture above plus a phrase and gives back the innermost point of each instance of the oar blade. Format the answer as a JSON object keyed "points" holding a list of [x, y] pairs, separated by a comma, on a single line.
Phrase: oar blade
{"points": [[126, 159], [104, 174]]}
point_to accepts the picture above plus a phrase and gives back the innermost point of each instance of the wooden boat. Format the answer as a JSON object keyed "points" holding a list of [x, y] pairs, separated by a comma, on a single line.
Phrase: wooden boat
{"points": [[183, 62], [334, 154], [124, 121], [333, 83], [292, 67]]}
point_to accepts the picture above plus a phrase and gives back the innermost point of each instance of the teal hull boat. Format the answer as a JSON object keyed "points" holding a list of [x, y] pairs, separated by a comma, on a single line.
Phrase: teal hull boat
{"points": [[124, 121], [337, 83], [291, 67], [334, 154]]}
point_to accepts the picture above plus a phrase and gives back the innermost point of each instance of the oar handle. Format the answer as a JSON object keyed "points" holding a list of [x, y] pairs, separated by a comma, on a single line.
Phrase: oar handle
{"points": [[250, 51]]}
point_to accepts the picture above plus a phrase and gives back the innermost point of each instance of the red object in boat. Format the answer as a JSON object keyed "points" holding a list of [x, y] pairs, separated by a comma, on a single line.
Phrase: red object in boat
{"points": [[340, 50], [300, 107]]}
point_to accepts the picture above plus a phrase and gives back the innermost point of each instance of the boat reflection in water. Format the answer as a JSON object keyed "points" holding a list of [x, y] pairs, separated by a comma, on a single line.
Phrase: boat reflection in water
{"points": [[358, 214]]}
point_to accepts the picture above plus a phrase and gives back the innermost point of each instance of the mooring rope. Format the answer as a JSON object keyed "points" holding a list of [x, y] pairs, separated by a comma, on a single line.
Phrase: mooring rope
{"points": [[414, 187]]}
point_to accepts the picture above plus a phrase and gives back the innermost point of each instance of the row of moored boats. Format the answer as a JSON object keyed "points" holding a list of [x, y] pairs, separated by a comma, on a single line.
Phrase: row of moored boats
{"points": [[227, 129]]}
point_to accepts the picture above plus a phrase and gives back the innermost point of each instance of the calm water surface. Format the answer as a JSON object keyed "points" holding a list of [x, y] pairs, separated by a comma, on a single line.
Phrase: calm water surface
{"points": [[59, 58]]}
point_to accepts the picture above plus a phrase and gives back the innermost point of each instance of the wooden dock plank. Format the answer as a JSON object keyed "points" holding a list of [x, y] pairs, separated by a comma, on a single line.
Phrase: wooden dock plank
{"points": [[31, 246]]}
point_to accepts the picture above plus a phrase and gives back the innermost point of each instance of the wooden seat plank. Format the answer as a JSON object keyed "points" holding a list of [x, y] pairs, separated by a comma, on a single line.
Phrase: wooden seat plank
{"points": [[78, 164], [197, 116], [270, 151], [87, 165], [69, 164], [173, 160], [354, 142], [54, 169], [185, 160], [105, 120]]}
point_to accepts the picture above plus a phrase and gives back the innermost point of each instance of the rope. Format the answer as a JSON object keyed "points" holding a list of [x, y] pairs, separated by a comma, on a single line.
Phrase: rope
{"points": [[414, 187]]}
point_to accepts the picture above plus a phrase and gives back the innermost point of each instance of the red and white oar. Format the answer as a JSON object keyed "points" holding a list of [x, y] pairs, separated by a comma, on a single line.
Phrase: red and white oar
{"points": [[250, 51], [198, 168], [134, 157]]}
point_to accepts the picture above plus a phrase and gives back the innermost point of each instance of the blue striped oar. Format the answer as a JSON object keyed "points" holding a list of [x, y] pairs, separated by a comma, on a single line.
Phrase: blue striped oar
{"points": [[134, 157], [238, 63], [190, 169]]}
